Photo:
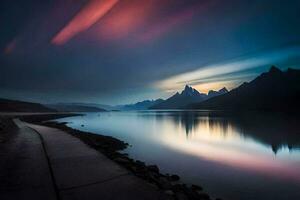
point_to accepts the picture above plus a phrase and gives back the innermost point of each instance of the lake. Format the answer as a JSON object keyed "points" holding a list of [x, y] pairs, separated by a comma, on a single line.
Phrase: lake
{"points": [[235, 157]]}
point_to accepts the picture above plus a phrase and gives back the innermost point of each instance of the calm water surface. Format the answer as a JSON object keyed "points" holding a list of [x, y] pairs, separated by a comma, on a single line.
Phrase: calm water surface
{"points": [[233, 157]]}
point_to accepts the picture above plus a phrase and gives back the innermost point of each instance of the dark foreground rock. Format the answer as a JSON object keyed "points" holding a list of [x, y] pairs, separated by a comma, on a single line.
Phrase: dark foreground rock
{"points": [[7, 128]]}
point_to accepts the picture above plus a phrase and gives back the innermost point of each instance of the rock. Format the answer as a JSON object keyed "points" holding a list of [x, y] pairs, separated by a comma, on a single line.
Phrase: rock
{"points": [[133, 168], [153, 168], [169, 192], [140, 163], [193, 194], [174, 178], [181, 196], [178, 187], [122, 160], [153, 177], [197, 188], [140, 167], [154, 174], [203, 196], [164, 183]]}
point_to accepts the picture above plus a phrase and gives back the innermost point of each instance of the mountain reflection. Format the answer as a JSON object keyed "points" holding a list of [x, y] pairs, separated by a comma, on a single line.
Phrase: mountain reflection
{"points": [[276, 131]]}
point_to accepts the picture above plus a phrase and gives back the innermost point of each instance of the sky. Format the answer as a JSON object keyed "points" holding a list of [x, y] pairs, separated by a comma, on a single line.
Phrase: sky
{"points": [[124, 51]]}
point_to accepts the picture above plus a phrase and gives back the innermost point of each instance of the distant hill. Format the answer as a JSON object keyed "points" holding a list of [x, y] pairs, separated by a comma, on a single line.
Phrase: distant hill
{"points": [[273, 90], [65, 107], [101, 106], [94, 107], [143, 105], [187, 96], [7, 105]]}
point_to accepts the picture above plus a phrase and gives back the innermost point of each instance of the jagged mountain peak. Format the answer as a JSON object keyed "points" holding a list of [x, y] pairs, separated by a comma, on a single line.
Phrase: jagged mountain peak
{"points": [[187, 87], [188, 90], [223, 90], [274, 69], [213, 93]]}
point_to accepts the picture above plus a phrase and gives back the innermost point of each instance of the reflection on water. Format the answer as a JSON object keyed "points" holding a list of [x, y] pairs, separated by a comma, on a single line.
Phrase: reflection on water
{"points": [[233, 156], [238, 142], [284, 129]]}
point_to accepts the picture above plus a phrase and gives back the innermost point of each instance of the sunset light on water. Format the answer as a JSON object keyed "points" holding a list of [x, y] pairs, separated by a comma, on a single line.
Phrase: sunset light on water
{"points": [[198, 143]]}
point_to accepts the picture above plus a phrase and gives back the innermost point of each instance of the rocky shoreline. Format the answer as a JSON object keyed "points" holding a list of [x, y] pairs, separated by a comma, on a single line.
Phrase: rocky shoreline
{"points": [[111, 147], [6, 127]]}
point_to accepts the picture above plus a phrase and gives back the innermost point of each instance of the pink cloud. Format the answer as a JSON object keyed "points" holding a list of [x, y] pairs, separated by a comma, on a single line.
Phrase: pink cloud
{"points": [[127, 17], [167, 24], [131, 21], [93, 11]]}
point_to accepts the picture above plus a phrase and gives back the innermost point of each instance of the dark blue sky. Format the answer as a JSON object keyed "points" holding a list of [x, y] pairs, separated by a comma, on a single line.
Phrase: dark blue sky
{"points": [[111, 51]]}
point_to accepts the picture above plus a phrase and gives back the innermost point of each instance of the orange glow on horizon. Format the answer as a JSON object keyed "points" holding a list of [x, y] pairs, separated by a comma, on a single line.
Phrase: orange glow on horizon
{"points": [[84, 19], [206, 87]]}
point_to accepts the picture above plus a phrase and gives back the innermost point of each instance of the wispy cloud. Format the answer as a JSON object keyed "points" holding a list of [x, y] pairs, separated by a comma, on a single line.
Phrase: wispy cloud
{"points": [[166, 25], [126, 18], [229, 71], [138, 22], [93, 11], [10, 47]]}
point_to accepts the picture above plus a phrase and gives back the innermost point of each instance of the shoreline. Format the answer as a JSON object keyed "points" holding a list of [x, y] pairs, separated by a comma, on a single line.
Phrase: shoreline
{"points": [[111, 146]]}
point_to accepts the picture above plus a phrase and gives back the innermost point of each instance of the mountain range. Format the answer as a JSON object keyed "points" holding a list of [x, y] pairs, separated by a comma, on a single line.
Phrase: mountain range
{"points": [[273, 90], [7, 105], [74, 107], [143, 105], [177, 101], [187, 96], [97, 105]]}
